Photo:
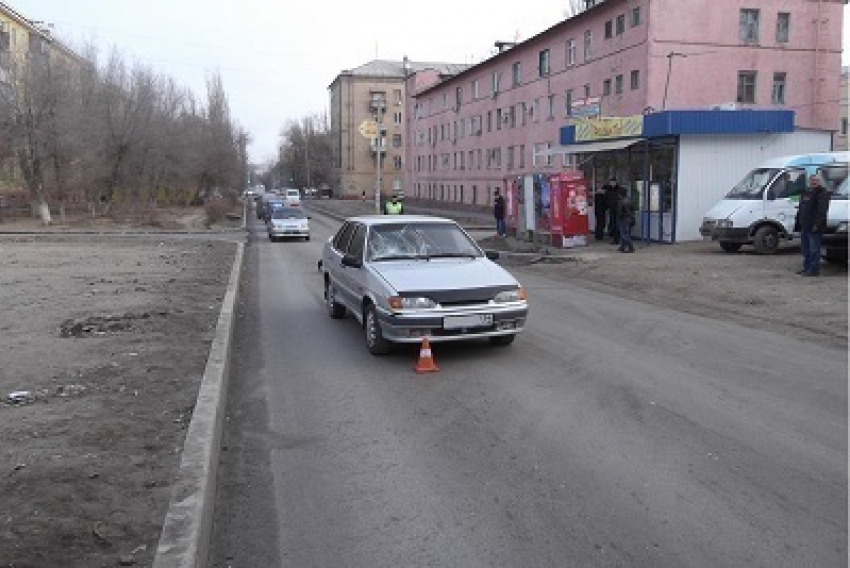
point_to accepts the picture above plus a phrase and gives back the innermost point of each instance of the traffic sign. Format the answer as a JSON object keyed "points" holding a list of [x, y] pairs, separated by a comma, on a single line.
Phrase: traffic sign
{"points": [[369, 129]]}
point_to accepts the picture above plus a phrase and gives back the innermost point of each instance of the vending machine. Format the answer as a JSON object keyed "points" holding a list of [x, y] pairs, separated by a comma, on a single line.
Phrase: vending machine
{"points": [[574, 222]]}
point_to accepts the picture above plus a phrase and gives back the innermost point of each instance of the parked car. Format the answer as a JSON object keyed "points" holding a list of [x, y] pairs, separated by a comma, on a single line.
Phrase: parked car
{"points": [[407, 278], [288, 222], [266, 204], [761, 209]]}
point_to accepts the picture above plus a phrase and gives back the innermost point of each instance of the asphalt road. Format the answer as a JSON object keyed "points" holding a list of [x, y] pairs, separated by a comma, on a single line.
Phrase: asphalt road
{"points": [[611, 433]]}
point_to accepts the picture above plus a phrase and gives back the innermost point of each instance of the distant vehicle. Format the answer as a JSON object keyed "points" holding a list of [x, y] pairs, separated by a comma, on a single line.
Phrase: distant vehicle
{"points": [[407, 278], [834, 242], [761, 209], [292, 197], [288, 222], [266, 203]]}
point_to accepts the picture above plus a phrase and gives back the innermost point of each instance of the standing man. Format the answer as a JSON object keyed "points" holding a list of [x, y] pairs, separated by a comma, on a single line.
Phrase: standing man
{"points": [[626, 217], [612, 201], [394, 207], [599, 210], [499, 214], [811, 220]]}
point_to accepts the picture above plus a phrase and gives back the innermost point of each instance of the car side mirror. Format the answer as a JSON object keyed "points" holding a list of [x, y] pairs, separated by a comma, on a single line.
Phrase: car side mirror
{"points": [[492, 254], [351, 261]]}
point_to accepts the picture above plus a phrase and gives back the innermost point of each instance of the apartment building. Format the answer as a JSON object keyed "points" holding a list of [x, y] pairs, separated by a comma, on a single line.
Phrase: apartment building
{"points": [[22, 44], [680, 97], [375, 92]]}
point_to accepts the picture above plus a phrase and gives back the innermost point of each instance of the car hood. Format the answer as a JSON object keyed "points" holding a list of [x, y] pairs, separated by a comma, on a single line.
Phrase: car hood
{"points": [[725, 208], [444, 274]]}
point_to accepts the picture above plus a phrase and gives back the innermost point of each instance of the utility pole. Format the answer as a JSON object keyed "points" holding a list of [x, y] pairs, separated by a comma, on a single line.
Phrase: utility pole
{"points": [[670, 57], [379, 150]]}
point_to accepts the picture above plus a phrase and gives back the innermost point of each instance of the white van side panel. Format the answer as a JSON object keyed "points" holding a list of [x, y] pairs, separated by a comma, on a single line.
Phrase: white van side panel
{"points": [[709, 166]]}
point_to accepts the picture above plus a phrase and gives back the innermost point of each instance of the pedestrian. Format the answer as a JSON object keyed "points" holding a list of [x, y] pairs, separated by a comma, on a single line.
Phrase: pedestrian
{"points": [[612, 202], [599, 211], [393, 207], [810, 221], [626, 218], [499, 213]]}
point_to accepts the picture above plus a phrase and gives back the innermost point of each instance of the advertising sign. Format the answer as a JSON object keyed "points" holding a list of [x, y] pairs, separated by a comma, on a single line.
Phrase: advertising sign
{"points": [[588, 129]]}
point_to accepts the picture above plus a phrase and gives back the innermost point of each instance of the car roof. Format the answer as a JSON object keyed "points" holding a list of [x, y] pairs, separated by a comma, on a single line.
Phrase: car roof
{"points": [[396, 219]]}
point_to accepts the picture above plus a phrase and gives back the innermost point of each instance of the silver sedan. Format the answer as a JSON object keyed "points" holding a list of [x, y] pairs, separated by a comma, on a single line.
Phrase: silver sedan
{"points": [[409, 277]]}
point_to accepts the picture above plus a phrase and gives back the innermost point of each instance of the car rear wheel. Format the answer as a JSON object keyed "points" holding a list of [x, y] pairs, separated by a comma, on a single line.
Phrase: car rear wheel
{"points": [[502, 339], [766, 240], [730, 247], [375, 342], [335, 310], [836, 256]]}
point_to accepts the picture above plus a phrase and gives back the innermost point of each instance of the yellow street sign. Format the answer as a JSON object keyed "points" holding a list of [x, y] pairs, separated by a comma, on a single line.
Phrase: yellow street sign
{"points": [[369, 129]]}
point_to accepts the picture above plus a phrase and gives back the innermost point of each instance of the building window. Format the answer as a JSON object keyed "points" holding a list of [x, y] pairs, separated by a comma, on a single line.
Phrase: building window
{"points": [[535, 110], [783, 27], [510, 157], [517, 74], [777, 96], [551, 112], [523, 113], [475, 93], [568, 102], [571, 52], [587, 91], [522, 156], [609, 29], [634, 80], [397, 162], [495, 81], [587, 39], [746, 87], [844, 127], [606, 87], [397, 93], [749, 23], [635, 19], [618, 84], [543, 62], [396, 140], [621, 24], [396, 118], [458, 97], [498, 119]]}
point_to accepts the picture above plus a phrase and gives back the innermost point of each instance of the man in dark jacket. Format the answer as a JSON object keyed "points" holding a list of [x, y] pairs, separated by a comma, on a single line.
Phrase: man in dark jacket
{"points": [[626, 217], [599, 210], [499, 214], [811, 220], [612, 201]]}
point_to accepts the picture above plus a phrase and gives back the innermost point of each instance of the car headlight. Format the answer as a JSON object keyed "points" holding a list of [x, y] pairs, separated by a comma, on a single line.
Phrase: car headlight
{"points": [[842, 227], [724, 224], [416, 303], [515, 295]]}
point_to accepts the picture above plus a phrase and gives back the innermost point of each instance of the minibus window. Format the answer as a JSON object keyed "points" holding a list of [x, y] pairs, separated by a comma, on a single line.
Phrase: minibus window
{"points": [[752, 186], [789, 184]]}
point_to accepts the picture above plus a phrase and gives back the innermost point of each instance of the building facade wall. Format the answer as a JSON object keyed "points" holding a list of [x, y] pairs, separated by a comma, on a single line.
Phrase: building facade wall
{"points": [[464, 139], [356, 161]]}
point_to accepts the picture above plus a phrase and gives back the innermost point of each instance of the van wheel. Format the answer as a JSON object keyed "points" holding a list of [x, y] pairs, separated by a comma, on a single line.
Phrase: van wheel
{"points": [[836, 256], [766, 240], [375, 342], [335, 310], [730, 247]]}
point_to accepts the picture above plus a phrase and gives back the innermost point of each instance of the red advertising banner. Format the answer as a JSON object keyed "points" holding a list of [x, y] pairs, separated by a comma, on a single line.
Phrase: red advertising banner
{"points": [[574, 199], [511, 204], [556, 212]]}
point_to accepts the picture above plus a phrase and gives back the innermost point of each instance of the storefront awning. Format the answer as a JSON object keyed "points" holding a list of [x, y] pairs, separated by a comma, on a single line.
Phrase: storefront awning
{"points": [[601, 146]]}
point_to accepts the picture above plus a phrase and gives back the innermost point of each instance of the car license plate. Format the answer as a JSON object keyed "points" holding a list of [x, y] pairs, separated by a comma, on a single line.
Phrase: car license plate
{"points": [[463, 322]]}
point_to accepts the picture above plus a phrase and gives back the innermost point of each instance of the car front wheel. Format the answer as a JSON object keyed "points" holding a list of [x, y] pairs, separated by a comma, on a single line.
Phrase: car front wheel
{"points": [[766, 240], [375, 342]]}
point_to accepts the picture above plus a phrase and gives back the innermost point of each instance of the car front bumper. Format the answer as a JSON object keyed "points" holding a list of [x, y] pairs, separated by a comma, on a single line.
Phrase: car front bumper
{"points": [[288, 232], [411, 327]]}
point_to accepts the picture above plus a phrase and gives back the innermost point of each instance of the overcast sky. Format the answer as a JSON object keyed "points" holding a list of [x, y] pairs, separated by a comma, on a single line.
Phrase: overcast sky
{"points": [[278, 57]]}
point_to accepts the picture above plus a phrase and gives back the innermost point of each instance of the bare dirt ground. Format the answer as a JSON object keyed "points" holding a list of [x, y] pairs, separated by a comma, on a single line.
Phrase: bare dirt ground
{"points": [[107, 337], [103, 342]]}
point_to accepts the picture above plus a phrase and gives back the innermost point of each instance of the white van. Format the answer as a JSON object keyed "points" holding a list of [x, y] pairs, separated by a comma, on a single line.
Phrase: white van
{"points": [[834, 244], [761, 209], [292, 197]]}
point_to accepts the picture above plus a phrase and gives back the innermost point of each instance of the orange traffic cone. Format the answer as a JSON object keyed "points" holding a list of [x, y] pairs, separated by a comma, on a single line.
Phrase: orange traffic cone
{"points": [[426, 360]]}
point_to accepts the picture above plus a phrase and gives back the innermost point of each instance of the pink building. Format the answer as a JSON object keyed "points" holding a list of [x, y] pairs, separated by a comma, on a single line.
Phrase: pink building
{"points": [[468, 134]]}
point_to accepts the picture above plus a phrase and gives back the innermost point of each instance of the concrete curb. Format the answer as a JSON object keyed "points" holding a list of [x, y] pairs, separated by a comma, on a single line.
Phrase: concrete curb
{"points": [[185, 537]]}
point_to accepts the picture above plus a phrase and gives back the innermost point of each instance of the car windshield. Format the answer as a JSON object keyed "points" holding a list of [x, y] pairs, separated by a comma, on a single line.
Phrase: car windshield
{"points": [[284, 213], [752, 186], [400, 241]]}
